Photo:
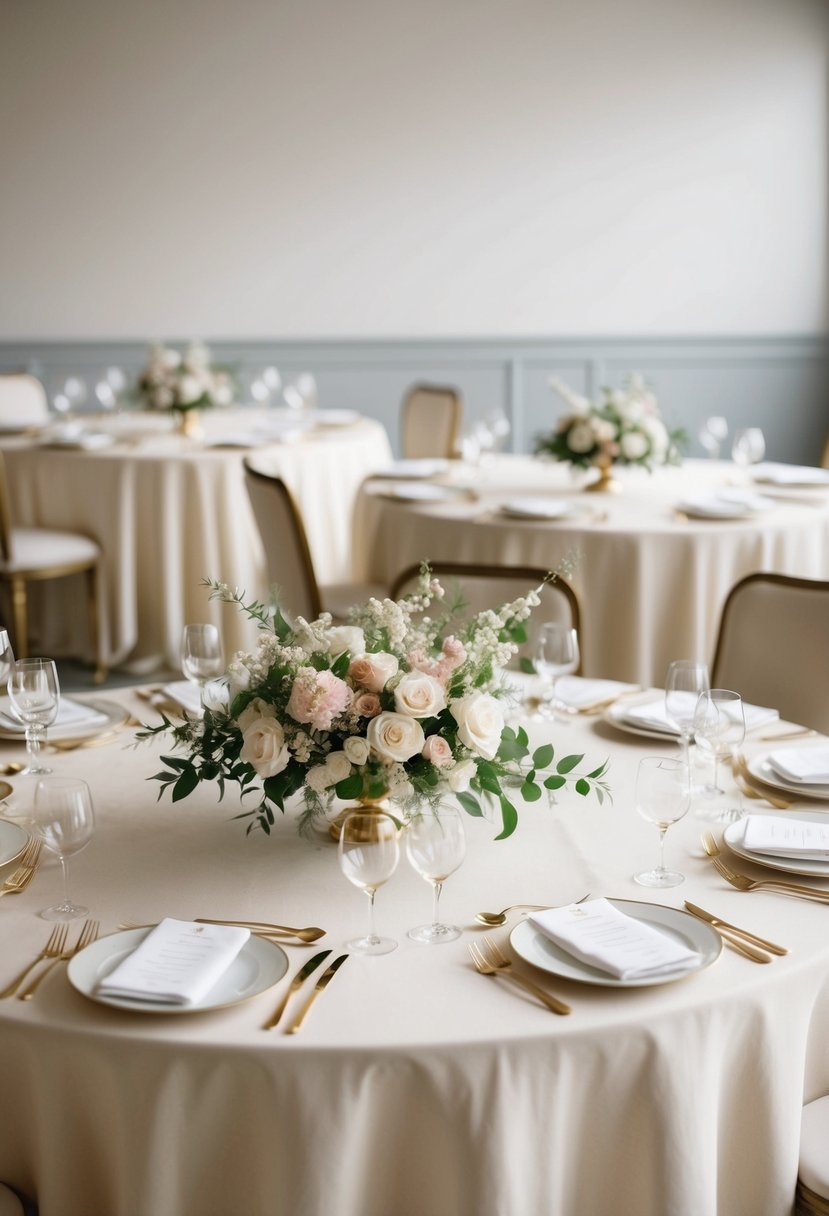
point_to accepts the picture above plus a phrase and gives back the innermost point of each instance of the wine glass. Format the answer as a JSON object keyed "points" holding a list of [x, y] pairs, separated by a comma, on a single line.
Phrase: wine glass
{"points": [[500, 428], [369, 852], [749, 447], [436, 846], [6, 657], [556, 655], [65, 820], [685, 680], [201, 653], [34, 692], [719, 728], [662, 797], [713, 435]]}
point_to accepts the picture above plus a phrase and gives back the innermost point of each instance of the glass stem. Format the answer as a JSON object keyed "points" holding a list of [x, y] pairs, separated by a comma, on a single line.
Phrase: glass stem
{"points": [[660, 869], [35, 735], [372, 932], [62, 860], [437, 887]]}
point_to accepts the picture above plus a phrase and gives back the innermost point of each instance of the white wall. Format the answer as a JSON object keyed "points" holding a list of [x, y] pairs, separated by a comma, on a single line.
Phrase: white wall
{"points": [[439, 167]]}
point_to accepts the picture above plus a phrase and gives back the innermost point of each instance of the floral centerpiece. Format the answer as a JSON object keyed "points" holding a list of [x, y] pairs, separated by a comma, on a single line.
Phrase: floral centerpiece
{"points": [[188, 381], [623, 427], [385, 706]]}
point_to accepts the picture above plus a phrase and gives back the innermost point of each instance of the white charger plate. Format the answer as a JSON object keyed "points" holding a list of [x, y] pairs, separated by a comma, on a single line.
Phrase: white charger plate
{"points": [[115, 714], [721, 509], [760, 767], [537, 508], [815, 868], [414, 470], [257, 967], [535, 948], [614, 715], [13, 840]]}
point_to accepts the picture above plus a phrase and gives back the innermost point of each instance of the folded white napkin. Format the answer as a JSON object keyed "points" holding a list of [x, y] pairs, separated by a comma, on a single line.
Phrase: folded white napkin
{"points": [[597, 933], [70, 713], [807, 764], [791, 474], [538, 508], [186, 694], [578, 691], [726, 503], [425, 467], [785, 836], [177, 963], [653, 715]]}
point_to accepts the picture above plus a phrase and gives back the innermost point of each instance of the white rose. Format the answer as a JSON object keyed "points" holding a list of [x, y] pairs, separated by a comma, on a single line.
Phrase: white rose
{"points": [[634, 445], [480, 722], [238, 678], [459, 777], [357, 749], [264, 747], [215, 695], [395, 736], [257, 708], [190, 388], [318, 779], [419, 695], [345, 637], [338, 767], [580, 438]]}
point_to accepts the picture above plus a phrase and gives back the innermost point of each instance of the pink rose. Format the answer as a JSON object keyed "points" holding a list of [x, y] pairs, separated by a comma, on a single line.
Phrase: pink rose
{"points": [[438, 751], [373, 671], [317, 698], [367, 704]]}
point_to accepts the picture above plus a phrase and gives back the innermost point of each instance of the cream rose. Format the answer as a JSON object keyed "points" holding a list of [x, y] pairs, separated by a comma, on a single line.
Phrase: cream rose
{"points": [[373, 671], [318, 778], [480, 721], [264, 747], [338, 767], [438, 751], [459, 777], [356, 748], [419, 695], [395, 736], [257, 708], [345, 637], [634, 445]]}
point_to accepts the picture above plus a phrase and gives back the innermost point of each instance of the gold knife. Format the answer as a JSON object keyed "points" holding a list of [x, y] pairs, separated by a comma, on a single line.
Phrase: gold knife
{"points": [[321, 983], [297, 982], [717, 922]]}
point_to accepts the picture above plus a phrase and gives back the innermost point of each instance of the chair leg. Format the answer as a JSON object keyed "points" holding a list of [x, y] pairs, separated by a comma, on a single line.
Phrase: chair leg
{"points": [[100, 673], [20, 617]]}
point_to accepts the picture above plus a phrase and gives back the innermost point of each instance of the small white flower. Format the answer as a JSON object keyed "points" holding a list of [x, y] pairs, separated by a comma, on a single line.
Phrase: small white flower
{"points": [[460, 776], [345, 637]]}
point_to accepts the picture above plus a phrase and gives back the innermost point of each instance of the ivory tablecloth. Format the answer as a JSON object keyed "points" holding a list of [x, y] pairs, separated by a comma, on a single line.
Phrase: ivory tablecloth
{"points": [[651, 584], [416, 1087], [169, 512]]}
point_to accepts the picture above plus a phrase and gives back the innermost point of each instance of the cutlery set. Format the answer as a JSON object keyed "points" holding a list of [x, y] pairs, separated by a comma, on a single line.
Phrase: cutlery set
{"points": [[55, 951], [742, 882], [20, 878]]}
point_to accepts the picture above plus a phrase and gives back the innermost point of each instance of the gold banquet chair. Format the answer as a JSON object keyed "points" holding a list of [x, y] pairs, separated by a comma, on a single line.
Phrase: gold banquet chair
{"points": [[288, 556], [23, 401], [483, 587], [773, 646], [812, 1195], [430, 421], [30, 555]]}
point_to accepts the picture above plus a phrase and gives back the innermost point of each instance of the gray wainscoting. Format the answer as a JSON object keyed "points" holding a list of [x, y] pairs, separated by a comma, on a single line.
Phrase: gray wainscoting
{"points": [[780, 384]]}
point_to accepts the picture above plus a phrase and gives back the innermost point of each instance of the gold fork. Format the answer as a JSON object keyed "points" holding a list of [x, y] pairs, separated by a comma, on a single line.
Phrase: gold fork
{"points": [[88, 934], [751, 786], [25, 872], [743, 883], [52, 949], [496, 963]]}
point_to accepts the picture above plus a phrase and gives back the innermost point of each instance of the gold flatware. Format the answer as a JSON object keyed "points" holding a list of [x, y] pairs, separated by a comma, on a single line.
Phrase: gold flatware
{"points": [[8, 770], [89, 933], [740, 944], [494, 919], [750, 792], [494, 962], [295, 984], [52, 949], [717, 921], [72, 745], [322, 983], [743, 883], [791, 734], [26, 870], [259, 928], [748, 782]]}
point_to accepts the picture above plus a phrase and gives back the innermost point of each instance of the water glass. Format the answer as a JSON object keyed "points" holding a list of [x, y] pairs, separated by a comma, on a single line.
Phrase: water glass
{"points": [[685, 680], [556, 655], [435, 847], [719, 730], [201, 653], [663, 796], [713, 435], [369, 852], [65, 820], [34, 693], [749, 447]]}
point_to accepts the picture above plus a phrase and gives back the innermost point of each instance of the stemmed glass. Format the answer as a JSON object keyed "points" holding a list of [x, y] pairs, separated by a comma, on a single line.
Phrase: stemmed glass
{"points": [[65, 821], [369, 852], [713, 435], [556, 655], [685, 680], [201, 654], [663, 796], [6, 657], [749, 447], [720, 728], [34, 693], [436, 846]]}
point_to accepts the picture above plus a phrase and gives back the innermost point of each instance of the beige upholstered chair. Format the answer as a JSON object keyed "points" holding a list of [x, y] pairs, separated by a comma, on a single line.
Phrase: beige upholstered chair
{"points": [[812, 1198], [290, 565], [773, 646], [483, 587], [36, 554], [430, 421], [23, 401], [824, 460]]}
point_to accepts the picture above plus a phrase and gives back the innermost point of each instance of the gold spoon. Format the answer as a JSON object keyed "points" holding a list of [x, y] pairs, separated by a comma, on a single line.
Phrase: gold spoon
{"points": [[494, 919], [9, 769]]}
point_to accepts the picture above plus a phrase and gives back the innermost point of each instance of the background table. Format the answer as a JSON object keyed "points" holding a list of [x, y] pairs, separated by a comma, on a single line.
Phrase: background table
{"points": [[168, 512], [416, 1086], [651, 585]]}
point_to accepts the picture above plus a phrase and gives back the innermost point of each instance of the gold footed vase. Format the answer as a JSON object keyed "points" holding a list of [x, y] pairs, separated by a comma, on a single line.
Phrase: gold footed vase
{"points": [[188, 424], [606, 483], [367, 806]]}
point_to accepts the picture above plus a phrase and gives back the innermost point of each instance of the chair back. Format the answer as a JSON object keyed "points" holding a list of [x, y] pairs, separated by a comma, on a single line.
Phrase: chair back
{"points": [[773, 646], [5, 515], [23, 400], [824, 459], [288, 557], [430, 421], [483, 587]]}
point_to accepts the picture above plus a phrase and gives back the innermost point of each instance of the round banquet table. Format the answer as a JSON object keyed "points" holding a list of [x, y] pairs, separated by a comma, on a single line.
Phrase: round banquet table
{"points": [[169, 511], [651, 581], [416, 1086]]}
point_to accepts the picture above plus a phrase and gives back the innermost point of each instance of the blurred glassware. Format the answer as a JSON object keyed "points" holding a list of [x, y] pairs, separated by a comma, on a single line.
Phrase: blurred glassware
{"points": [[713, 434], [110, 388], [500, 428], [302, 393], [265, 385], [749, 447], [105, 395]]}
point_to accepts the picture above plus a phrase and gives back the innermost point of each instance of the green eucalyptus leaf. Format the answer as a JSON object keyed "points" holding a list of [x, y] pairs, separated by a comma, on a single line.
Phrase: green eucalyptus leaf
{"points": [[543, 756], [530, 792], [350, 787], [554, 783], [568, 764], [470, 804], [509, 817], [582, 787], [185, 785]]}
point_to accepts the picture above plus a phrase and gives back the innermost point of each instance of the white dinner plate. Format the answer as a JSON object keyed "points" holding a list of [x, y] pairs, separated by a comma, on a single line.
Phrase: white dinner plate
{"points": [[88, 441], [334, 417], [422, 491], [814, 867], [614, 715], [534, 947], [761, 767], [13, 841], [258, 966], [414, 470], [724, 509], [113, 713], [798, 476], [537, 508]]}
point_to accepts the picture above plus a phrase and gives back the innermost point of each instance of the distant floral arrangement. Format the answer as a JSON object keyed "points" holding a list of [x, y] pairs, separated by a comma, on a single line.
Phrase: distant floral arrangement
{"points": [[175, 381], [623, 427], [386, 706]]}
